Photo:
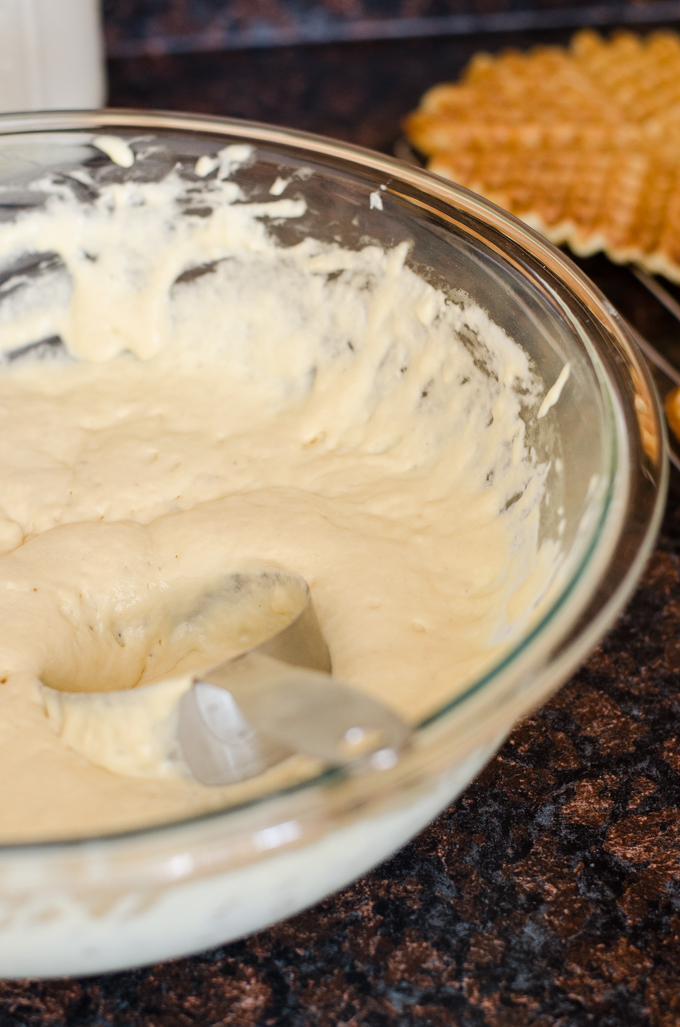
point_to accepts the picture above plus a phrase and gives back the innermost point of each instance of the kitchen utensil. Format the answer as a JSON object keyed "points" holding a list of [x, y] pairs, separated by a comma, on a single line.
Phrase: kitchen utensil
{"points": [[251, 712]]}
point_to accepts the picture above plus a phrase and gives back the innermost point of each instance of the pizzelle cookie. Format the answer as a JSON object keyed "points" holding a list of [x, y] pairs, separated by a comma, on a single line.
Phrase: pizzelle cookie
{"points": [[582, 143]]}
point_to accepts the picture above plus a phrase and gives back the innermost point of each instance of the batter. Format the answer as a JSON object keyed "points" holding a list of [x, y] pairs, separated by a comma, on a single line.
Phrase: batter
{"points": [[219, 402]]}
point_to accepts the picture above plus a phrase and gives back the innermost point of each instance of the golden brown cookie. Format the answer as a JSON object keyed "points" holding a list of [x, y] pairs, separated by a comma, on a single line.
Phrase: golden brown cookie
{"points": [[582, 143]]}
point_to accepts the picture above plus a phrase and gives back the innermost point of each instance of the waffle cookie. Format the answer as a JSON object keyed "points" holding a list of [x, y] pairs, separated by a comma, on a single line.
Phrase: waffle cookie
{"points": [[672, 408], [582, 143]]}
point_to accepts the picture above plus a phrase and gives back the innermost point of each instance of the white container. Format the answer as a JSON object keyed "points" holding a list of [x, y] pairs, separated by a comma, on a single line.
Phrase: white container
{"points": [[51, 55]]}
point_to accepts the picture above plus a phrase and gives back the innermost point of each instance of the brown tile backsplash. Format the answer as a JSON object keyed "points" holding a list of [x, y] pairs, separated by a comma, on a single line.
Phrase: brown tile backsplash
{"points": [[136, 28]]}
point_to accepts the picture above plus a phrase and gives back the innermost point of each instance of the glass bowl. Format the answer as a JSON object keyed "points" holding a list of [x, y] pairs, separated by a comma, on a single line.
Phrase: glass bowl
{"points": [[94, 904]]}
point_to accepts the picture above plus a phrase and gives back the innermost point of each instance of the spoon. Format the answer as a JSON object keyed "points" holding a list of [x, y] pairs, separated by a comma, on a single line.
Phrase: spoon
{"points": [[245, 715]]}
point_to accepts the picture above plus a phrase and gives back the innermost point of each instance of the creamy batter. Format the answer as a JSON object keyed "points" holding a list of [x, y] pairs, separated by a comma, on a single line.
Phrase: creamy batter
{"points": [[223, 403]]}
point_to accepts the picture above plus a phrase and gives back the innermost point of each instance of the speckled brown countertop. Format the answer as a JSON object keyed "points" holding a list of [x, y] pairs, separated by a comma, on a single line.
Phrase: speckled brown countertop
{"points": [[549, 893]]}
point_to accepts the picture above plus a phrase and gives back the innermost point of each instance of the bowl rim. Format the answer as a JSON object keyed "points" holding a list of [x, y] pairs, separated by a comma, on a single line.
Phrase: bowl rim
{"points": [[456, 197]]}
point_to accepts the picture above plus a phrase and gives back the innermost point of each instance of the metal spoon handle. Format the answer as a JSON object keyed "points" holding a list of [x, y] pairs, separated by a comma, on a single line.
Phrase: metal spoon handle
{"points": [[250, 713]]}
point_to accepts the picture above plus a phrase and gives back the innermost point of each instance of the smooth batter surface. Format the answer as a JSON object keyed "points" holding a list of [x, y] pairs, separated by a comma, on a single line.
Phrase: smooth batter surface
{"points": [[316, 409]]}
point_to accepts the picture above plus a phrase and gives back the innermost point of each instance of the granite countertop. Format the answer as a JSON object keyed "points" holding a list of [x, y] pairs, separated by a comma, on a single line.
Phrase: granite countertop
{"points": [[549, 893]]}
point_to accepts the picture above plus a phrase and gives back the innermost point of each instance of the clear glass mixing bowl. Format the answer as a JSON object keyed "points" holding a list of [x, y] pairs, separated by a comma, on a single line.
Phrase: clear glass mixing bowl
{"points": [[87, 905]]}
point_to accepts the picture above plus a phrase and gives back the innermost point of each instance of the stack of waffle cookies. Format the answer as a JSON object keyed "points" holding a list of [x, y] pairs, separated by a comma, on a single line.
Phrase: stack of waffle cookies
{"points": [[583, 143]]}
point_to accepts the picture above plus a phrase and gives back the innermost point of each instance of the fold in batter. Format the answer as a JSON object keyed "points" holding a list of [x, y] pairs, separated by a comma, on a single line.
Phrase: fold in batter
{"points": [[309, 407]]}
